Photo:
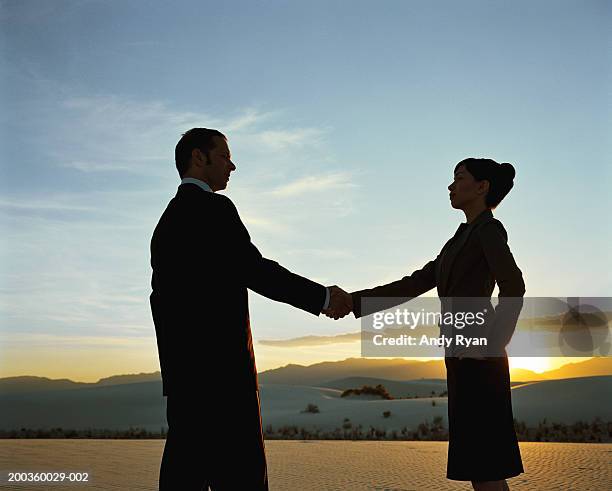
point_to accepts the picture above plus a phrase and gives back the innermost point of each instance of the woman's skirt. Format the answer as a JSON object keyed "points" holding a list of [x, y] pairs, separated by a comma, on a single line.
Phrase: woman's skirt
{"points": [[482, 441]]}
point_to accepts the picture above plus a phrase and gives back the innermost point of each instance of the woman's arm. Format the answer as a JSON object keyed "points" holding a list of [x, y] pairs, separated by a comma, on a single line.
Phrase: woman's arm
{"points": [[494, 240], [509, 278], [399, 291]]}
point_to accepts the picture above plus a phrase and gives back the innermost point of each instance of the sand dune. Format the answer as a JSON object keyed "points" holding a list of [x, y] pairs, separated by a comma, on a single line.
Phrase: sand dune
{"points": [[142, 405], [563, 401], [282, 405]]}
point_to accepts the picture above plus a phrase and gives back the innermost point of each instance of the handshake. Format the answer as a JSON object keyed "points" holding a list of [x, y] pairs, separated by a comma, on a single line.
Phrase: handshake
{"points": [[340, 303]]}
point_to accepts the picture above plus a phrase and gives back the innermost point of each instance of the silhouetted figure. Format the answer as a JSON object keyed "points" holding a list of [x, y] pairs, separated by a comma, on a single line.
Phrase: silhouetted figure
{"points": [[483, 446], [203, 262]]}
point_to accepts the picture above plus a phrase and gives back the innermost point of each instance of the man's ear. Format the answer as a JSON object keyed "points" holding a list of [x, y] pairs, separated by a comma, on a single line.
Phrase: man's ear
{"points": [[197, 154], [484, 186]]}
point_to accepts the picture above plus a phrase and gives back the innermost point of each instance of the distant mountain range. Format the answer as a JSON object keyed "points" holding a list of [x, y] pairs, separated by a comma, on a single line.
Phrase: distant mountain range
{"points": [[23, 384], [399, 369], [588, 368], [319, 374]]}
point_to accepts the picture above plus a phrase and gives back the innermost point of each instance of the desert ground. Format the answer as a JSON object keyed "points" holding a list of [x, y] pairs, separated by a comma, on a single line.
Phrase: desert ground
{"points": [[309, 465]]}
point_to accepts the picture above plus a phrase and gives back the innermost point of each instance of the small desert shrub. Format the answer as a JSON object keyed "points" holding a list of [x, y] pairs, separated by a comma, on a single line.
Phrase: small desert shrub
{"points": [[379, 391]]}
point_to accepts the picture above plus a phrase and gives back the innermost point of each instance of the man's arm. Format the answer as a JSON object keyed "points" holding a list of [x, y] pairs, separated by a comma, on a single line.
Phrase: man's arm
{"points": [[267, 277]]}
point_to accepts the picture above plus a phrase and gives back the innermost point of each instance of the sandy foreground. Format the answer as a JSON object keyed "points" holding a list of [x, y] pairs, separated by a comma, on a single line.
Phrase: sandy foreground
{"points": [[308, 465]]}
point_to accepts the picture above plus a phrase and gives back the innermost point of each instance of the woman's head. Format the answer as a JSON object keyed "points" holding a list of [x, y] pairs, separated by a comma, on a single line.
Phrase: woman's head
{"points": [[480, 179]]}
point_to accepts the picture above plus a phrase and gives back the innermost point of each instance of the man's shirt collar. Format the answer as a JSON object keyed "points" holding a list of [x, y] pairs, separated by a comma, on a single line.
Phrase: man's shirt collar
{"points": [[197, 182]]}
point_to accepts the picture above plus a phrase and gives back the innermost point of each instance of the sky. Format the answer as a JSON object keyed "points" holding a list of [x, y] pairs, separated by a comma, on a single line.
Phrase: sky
{"points": [[345, 121]]}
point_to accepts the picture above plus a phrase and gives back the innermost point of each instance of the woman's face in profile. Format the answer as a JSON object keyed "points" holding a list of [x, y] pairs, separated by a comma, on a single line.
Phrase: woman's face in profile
{"points": [[465, 189]]}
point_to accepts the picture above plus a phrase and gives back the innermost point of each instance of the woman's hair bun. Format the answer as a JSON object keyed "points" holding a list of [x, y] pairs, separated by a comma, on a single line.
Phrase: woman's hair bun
{"points": [[506, 169]]}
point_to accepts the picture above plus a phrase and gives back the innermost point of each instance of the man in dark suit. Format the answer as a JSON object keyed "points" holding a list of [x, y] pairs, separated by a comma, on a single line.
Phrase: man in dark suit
{"points": [[203, 263]]}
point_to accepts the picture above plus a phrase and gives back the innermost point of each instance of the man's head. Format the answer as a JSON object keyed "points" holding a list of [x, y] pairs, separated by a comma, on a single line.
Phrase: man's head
{"points": [[203, 153]]}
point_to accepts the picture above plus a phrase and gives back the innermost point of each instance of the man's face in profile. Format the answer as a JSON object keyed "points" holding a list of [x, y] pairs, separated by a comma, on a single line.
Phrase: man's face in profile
{"points": [[218, 164]]}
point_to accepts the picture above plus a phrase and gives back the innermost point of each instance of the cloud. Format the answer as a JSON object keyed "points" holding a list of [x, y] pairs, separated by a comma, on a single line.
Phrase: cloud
{"points": [[55, 207], [249, 118], [282, 139], [42, 205], [315, 184], [93, 166], [62, 341], [322, 253], [263, 223], [113, 134], [77, 261], [313, 340]]}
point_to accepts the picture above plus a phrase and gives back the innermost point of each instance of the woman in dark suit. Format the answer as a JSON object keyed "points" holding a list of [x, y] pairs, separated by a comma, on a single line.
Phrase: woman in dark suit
{"points": [[483, 447]]}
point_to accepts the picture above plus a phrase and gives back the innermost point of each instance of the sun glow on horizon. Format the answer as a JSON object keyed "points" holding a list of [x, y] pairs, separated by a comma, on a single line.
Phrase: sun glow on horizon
{"points": [[535, 364]]}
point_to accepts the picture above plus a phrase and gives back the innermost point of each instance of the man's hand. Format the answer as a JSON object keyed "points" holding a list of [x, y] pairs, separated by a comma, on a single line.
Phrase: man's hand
{"points": [[340, 303]]}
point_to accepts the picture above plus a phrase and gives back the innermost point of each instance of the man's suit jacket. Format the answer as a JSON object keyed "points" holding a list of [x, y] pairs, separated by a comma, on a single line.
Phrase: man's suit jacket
{"points": [[203, 262], [465, 272]]}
